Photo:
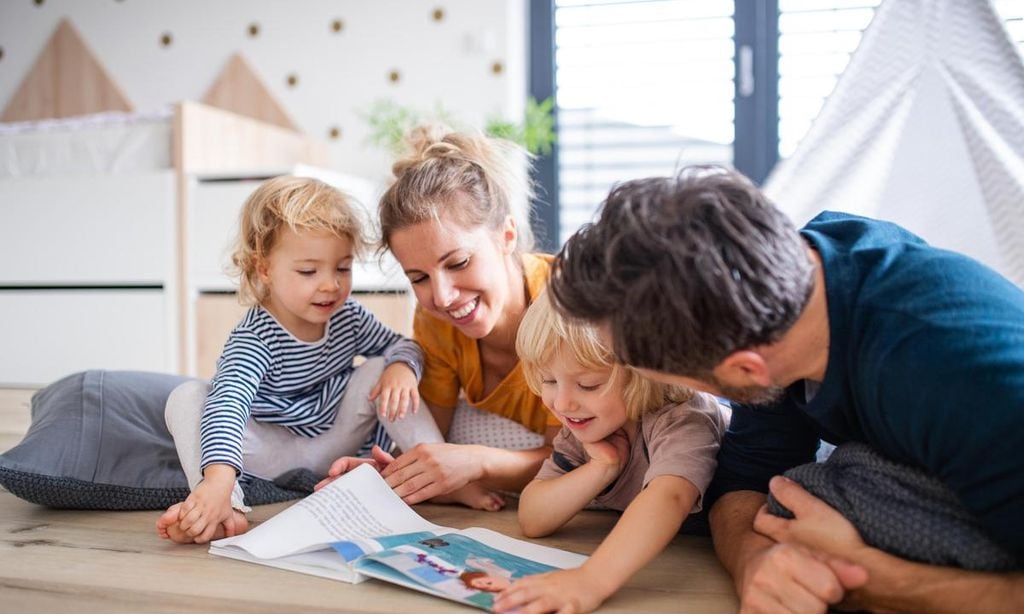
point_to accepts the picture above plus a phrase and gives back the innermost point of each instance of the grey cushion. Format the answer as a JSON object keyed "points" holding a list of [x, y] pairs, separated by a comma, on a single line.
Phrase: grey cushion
{"points": [[900, 509], [98, 441]]}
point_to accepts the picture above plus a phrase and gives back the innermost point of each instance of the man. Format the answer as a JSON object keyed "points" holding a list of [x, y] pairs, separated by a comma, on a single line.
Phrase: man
{"points": [[850, 330]]}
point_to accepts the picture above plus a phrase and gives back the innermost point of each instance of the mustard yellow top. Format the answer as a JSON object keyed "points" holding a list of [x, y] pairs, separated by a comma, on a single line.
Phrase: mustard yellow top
{"points": [[452, 363]]}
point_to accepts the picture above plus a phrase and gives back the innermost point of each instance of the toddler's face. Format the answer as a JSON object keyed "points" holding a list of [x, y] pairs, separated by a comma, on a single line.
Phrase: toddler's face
{"points": [[309, 275], [588, 402]]}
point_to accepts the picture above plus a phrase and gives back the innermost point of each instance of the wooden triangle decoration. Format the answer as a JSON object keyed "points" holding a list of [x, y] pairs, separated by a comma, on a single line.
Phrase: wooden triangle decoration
{"points": [[66, 80], [238, 89]]}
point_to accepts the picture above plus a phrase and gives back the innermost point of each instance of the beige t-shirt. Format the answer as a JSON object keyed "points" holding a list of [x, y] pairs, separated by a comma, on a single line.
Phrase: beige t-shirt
{"points": [[680, 440]]}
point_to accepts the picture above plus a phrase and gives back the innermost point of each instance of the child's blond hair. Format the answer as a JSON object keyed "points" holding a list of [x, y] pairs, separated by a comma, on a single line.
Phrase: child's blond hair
{"points": [[543, 333], [301, 204]]}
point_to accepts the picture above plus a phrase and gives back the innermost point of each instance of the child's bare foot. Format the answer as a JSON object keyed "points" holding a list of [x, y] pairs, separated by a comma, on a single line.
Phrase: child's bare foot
{"points": [[473, 495], [167, 526]]}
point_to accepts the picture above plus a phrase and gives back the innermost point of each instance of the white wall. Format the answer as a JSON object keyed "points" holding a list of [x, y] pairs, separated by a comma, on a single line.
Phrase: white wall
{"points": [[339, 75]]}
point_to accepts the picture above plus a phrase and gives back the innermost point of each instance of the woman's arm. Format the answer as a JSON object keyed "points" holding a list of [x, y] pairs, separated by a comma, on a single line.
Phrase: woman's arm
{"points": [[433, 469], [646, 527]]}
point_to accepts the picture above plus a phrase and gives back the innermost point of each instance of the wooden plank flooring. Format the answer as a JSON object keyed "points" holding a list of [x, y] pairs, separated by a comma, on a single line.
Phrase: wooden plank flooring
{"points": [[14, 415], [114, 562], [56, 560]]}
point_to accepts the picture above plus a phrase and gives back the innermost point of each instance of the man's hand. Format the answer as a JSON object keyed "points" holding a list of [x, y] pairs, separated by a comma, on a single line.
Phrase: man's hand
{"points": [[792, 578], [816, 525], [809, 567]]}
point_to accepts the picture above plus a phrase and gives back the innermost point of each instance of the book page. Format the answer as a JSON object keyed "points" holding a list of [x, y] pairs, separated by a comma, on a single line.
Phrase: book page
{"points": [[562, 559], [358, 504]]}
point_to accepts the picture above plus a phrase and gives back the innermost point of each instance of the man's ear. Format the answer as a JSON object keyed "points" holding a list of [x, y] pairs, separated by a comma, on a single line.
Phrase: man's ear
{"points": [[509, 235], [744, 368]]}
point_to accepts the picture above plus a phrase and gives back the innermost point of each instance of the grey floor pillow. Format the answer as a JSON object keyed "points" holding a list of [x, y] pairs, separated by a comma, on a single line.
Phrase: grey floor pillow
{"points": [[900, 510], [98, 441]]}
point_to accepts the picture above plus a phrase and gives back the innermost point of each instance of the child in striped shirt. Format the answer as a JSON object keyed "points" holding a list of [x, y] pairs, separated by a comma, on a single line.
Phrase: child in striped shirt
{"points": [[286, 394]]}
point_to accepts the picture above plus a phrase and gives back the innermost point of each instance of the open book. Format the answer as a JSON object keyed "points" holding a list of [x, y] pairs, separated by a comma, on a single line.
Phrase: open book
{"points": [[357, 527]]}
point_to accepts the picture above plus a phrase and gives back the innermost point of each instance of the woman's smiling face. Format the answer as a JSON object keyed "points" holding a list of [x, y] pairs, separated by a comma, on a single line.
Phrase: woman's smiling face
{"points": [[460, 275]]}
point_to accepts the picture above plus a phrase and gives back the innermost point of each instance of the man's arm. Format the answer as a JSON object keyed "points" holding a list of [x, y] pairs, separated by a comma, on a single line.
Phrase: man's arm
{"points": [[893, 584], [771, 576], [896, 585]]}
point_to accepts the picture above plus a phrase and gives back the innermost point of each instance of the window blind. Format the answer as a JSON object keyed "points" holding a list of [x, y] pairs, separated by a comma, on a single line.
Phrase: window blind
{"points": [[644, 87]]}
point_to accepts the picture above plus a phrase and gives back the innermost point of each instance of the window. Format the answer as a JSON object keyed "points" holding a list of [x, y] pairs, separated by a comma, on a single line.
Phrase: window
{"points": [[647, 86], [1012, 13], [643, 87]]}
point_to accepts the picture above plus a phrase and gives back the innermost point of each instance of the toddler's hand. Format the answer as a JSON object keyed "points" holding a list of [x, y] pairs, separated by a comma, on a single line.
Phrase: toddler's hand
{"points": [[612, 451], [207, 507], [396, 391]]}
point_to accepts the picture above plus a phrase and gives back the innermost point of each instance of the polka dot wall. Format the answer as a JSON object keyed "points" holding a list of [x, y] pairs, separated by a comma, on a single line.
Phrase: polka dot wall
{"points": [[326, 62]]}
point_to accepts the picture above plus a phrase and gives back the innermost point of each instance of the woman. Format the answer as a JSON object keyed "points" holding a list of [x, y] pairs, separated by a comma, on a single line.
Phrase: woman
{"points": [[448, 219]]}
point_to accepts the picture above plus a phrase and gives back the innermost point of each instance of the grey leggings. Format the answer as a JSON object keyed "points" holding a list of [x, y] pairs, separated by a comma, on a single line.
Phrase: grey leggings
{"points": [[269, 450]]}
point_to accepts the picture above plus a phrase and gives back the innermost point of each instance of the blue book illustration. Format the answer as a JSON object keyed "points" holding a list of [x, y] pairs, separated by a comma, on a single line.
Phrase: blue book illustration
{"points": [[452, 566]]}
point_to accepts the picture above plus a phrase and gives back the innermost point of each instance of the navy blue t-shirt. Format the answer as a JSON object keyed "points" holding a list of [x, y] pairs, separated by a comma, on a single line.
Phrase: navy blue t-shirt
{"points": [[925, 364]]}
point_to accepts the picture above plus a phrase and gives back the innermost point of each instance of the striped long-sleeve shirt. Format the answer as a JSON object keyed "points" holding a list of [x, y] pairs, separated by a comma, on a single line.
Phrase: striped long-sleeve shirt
{"points": [[266, 373]]}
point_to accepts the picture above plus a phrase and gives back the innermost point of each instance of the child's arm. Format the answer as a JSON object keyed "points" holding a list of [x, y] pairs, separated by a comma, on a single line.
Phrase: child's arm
{"points": [[209, 505], [374, 338], [397, 390], [546, 505], [647, 526]]}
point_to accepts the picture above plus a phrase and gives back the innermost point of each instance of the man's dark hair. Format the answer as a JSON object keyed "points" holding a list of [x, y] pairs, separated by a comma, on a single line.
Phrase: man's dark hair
{"points": [[686, 270]]}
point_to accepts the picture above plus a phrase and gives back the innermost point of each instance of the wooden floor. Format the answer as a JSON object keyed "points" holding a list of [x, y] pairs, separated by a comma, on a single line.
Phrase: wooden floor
{"points": [[54, 560]]}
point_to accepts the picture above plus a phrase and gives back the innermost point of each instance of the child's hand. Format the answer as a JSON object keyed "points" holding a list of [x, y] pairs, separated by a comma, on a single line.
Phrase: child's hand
{"points": [[343, 465], [612, 451], [209, 505], [397, 390], [568, 590]]}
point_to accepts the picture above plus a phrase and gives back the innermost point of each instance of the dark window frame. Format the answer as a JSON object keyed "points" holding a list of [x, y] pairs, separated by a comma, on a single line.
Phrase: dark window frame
{"points": [[756, 140]]}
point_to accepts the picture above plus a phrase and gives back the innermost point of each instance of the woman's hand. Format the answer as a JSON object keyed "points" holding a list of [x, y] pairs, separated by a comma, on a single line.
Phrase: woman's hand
{"points": [[380, 459], [397, 391], [433, 469]]}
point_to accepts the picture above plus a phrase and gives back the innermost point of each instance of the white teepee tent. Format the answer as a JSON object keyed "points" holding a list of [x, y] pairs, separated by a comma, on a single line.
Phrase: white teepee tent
{"points": [[925, 128]]}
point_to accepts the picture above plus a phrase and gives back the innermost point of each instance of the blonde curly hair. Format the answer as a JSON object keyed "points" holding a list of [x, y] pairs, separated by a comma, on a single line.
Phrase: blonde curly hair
{"points": [[299, 203]]}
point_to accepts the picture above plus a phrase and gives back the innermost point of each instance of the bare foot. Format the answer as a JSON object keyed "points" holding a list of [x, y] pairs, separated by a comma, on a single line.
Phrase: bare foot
{"points": [[167, 526], [473, 495]]}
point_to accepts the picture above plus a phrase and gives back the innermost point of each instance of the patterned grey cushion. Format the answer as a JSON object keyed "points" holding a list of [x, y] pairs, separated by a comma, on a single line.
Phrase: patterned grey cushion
{"points": [[900, 510], [98, 441]]}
